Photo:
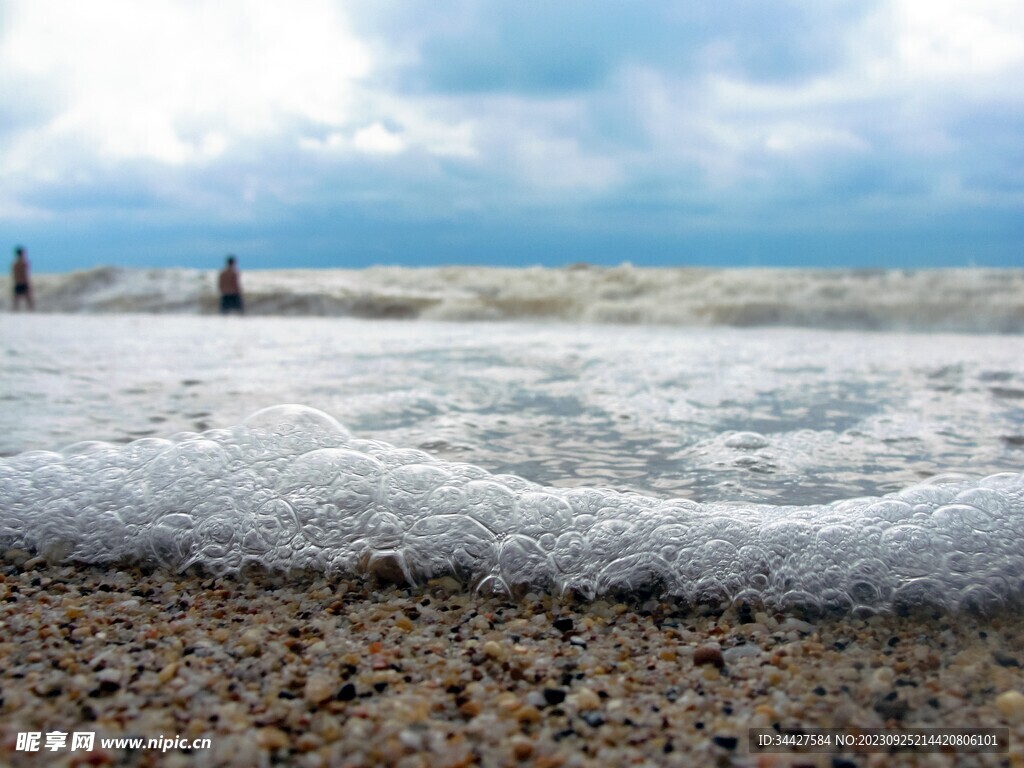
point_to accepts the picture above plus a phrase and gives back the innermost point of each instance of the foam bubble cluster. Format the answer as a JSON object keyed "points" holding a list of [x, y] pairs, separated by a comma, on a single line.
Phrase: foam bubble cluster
{"points": [[291, 488]]}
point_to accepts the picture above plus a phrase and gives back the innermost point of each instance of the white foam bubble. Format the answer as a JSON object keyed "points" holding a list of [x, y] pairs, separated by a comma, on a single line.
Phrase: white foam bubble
{"points": [[291, 488]]}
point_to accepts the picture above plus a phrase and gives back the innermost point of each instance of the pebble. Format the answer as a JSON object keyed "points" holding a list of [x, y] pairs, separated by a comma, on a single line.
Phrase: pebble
{"points": [[708, 655], [586, 700], [318, 688], [1011, 705], [494, 650], [729, 655]]}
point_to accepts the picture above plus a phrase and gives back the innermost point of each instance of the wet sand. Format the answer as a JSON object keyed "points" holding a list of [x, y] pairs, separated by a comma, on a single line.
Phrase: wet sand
{"points": [[310, 671]]}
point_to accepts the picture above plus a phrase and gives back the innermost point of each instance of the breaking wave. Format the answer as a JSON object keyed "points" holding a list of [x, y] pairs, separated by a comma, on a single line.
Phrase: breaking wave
{"points": [[951, 300]]}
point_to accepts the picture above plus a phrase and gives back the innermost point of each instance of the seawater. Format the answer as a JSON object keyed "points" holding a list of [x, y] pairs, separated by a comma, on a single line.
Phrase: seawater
{"points": [[792, 468]]}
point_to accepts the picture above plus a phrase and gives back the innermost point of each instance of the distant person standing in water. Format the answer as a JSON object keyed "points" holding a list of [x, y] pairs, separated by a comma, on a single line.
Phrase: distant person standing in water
{"points": [[230, 284], [19, 277]]}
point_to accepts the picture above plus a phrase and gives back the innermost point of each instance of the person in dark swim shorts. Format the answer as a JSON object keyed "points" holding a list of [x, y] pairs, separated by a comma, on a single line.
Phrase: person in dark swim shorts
{"points": [[20, 279], [230, 284]]}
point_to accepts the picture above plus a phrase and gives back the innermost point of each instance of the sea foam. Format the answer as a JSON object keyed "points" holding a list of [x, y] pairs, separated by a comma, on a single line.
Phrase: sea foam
{"points": [[291, 488]]}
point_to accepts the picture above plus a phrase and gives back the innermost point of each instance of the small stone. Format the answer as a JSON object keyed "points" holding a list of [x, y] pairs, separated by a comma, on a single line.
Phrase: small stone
{"points": [[522, 748], [109, 676], [1003, 660], [447, 583], [271, 738], [16, 556], [726, 742], [587, 700], [411, 739], [563, 624], [50, 686], [470, 708], [493, 650], [508, 703], [168, 671], [1011, 705], [528, 714], [891, 707], [730, 655], [318, 688], [347, 692], [307, 742], [708, 654], [221, 635], [554, 696]]}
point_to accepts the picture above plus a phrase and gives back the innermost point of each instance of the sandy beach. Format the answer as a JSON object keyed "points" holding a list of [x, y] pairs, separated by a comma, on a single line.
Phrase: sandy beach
{"points": [[306, 670]]}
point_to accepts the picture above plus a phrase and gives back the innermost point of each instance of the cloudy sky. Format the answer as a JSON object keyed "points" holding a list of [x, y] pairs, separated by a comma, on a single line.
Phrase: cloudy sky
{"points": [[320, 133]]}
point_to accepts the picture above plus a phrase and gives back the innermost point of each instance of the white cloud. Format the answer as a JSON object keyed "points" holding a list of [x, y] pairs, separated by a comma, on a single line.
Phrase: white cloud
{"points": [[948, 39], [789, 138], [375, 139], [177, 82]]}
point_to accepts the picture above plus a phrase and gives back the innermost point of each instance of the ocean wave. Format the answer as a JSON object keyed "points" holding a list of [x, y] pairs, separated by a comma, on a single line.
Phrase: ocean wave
{"points": [[949, 300], [291, 488]]}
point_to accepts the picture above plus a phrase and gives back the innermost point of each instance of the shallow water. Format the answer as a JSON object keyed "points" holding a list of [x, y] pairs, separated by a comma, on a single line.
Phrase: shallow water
{"points": [[661, 411]]}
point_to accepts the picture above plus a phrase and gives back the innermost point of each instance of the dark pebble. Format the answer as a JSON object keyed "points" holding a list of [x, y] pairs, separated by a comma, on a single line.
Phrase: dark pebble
{"points": [[708, 655], [563, 624], [1005, 661], [554, 695], [726, 742], [347, 692], [593, 719], [891, 707]]}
